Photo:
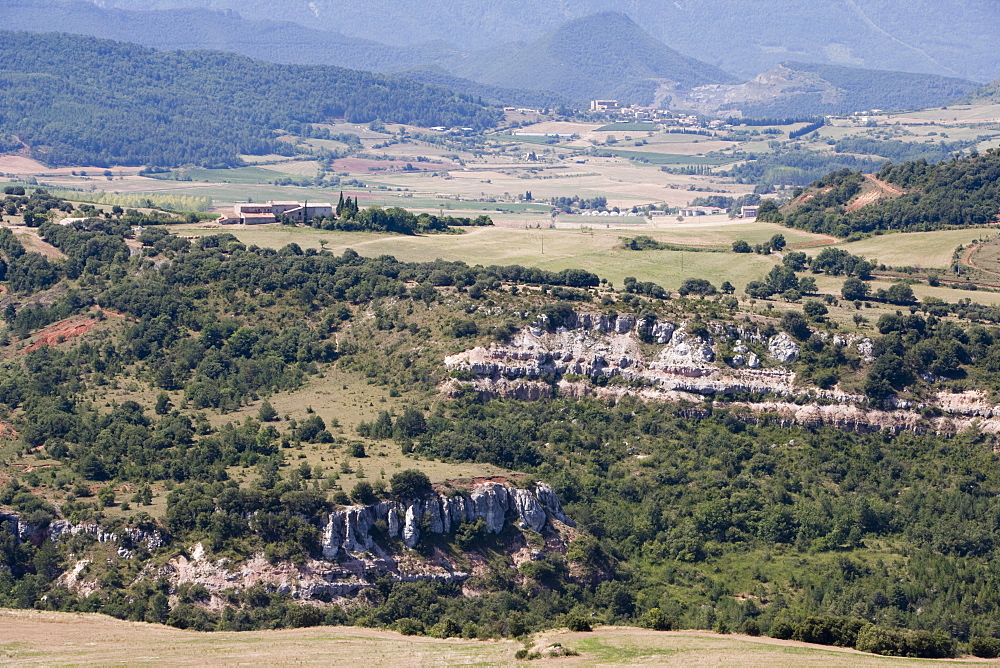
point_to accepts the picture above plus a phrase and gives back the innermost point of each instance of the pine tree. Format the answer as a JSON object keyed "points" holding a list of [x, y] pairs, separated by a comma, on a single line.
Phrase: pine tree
{"points": [[163, 404], [267, 412]]}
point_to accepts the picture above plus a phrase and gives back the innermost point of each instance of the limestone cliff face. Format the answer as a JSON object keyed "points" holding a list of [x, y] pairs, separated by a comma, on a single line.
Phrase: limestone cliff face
{"points": [[127, 538], [352, 558], [496, 503]]}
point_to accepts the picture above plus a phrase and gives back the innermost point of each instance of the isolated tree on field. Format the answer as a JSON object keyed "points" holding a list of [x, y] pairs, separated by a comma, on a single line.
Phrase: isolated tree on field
{"points": [[163, 404], [854, 289]]}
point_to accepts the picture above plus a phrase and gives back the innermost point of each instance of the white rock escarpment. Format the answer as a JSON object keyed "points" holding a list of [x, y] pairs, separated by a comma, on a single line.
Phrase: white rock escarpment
{"points": [[350, 530], [603, 348]]}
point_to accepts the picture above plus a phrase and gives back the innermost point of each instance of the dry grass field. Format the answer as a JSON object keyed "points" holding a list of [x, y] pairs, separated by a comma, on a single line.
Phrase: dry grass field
{"points": [[916, 249], [987, 257], [66, 639], [32, 242]]}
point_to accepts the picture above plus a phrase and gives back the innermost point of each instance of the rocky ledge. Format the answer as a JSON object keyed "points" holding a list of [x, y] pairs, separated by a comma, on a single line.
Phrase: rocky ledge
{"points": [[56, 530], [601, 348], [350, 530]]}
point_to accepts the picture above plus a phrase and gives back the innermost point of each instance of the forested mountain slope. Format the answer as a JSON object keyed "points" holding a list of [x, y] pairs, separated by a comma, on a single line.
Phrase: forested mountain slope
{"points": [[988, 94], [80, 100], [520, 97]]}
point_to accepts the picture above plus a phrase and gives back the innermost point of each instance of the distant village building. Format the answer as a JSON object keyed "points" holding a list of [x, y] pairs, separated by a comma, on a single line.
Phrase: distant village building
{"points": [[261, 214], [603, 105], [692, 211], [254, 214], [748, 211]]}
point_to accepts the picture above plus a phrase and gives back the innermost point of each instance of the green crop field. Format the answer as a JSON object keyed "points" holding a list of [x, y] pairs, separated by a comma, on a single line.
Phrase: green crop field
{"points": [[628, 127], [667, 158], [525, 139], [239, 175]]}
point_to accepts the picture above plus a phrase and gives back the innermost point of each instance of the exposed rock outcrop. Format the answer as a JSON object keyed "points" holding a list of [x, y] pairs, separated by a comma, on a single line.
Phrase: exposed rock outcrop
{"points": [[688, 368], [355, 552], [600, 347], [56, 530], [350, 530], [782, 348], [864, 419]]}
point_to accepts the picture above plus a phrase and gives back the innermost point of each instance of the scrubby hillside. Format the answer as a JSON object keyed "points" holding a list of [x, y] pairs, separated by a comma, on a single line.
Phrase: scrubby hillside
{"points": [[962, 192], [816, 89], [244, 438]]}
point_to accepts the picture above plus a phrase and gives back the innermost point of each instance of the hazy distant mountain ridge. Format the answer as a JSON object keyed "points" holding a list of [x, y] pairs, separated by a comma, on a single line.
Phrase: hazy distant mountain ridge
{"points": [[599, 56], [603, 55], [745, 37], [198, 28]]}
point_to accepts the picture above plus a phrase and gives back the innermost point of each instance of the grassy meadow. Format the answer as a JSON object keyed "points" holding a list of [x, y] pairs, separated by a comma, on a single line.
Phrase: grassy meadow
{"points": [[597, 250]]}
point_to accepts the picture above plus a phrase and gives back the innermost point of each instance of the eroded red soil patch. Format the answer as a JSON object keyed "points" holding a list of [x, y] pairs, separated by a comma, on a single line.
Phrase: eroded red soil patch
{"points": [[67, 329], [58, 333], [876, 191]]}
